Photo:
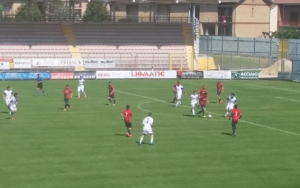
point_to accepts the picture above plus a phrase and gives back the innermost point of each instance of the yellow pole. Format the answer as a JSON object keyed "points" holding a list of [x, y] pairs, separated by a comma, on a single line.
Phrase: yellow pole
{"points": [[192, 61], [181, 61], [170, 64]]}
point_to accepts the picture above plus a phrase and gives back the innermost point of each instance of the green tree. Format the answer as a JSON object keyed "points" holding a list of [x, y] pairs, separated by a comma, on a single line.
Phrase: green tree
{"points": [[96, 12], [289, 33], [26, 13]]}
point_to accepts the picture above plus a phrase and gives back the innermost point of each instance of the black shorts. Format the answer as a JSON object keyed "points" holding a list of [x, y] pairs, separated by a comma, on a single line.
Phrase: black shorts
{"points": [[219, 93], [111, 96], [40, 85], [66, 100], [128, 124]]}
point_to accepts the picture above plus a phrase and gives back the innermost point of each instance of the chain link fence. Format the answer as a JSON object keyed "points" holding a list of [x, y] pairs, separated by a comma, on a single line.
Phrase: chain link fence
{"points": [[231, 53]]}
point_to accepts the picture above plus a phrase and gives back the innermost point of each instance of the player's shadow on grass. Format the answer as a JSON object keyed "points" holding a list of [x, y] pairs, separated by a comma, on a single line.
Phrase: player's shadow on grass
{"points": [[60, 108], [227, 134], [189, 115], [4, 112], [106, 104], [8, 118], [120, 134], [213, 102], [142, 143]]}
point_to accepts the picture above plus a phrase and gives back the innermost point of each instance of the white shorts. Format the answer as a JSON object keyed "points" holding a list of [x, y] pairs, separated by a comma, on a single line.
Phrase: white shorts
{"points": [[7, 101], [178, 96], [80, 88], [229, 106], [13, 108], [147, 131], [194, 105]]}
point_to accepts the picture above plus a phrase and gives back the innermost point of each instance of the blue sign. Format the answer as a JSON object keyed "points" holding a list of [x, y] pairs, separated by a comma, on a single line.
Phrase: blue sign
{"points": [[25, 75]]}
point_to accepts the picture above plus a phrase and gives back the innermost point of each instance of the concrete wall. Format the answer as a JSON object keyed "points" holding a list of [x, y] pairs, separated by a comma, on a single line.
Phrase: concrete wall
{"points": [[144, 12], [208, 13], [274, 19]]}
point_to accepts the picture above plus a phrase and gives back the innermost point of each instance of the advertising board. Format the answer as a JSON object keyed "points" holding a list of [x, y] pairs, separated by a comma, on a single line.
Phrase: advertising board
{"points": [[217, 75], [190, 74], [244, 75], [98, 63], [62, 75], [22, 63], [85, 75]]}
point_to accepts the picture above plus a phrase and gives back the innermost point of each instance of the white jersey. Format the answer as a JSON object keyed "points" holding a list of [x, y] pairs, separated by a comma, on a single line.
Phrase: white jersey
{"points": [[148, 122], [81, 82], [8, 94], [13, 100], [194, 99], [179, 89], [232, 100]]}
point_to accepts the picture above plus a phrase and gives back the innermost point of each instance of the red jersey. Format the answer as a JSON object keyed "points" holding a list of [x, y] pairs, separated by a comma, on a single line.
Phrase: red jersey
{"points": [[111, 89], [174, 87], [127, 115], [235, 114], [67, 92], [202, 91], [219, 86], [203, 100]]}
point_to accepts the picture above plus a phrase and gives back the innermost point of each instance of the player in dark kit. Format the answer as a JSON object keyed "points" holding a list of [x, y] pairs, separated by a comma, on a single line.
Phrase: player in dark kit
{"points": [[39, 85], [67, 95], [202, 102], [236, 114], [202, 91], [126, 116], [174, 91], [111, 94], [220, 89]]}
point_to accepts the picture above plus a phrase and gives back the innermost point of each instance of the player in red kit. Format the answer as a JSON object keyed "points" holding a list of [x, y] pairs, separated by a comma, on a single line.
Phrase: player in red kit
{"points": [[220, 89], [202, 91], [67, 95], [111, 94], [174, 91], [236, 114], [202, 103], [126, 116]]}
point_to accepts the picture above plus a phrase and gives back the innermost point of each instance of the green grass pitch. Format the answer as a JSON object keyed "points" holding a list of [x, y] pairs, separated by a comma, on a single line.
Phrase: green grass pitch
{"points": [[45, 147]]}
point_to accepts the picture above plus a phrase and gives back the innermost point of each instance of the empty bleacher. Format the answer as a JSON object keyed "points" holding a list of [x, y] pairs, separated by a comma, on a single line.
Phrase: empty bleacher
{"points": [[142, 46]]}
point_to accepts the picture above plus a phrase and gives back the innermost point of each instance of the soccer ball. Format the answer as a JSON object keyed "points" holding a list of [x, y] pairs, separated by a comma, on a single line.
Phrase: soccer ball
{"points": [[209, 116]]}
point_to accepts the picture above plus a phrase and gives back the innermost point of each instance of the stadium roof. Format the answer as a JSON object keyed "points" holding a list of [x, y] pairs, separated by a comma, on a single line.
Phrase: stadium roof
{"points": [[286, 2]]}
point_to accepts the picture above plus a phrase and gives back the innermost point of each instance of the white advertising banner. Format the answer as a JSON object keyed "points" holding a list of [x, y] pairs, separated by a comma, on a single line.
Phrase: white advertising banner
{"points": [[217, 75], [4, 65], [135, 74], [44, 62], [99, 63], [22, 63], [109, 75]]}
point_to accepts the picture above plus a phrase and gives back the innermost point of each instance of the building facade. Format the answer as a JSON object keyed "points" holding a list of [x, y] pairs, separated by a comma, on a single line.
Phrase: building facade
{"points": [[288, 13]]}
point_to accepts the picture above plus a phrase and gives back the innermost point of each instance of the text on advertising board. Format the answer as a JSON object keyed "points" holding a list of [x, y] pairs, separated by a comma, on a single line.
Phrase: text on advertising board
{"points": [[62, 75], [147, 74]]}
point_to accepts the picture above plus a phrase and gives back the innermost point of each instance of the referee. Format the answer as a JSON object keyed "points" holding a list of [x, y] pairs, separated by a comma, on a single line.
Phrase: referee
{"points": [[39, 85]]}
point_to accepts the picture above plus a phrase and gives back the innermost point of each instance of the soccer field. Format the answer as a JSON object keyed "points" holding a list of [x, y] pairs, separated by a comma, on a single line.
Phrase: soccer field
{"points": [[85, 147]]}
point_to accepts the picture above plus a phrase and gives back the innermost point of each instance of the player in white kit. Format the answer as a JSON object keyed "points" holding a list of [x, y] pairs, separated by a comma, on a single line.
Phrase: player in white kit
{"points": [[13, 105], [147, 128], [194, 101], [7, 94], [179, 88], [231, 101], [80, 89]]}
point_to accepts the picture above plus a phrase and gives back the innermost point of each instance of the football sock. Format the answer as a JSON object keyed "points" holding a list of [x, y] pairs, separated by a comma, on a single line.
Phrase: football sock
{"points": [[78, 94], [114, 101], [226, 114], [141, 140], [174, 99], [151, 140], [193, 110], [203, 112], [129, 131], [110, 101], [43, 91], [65, 106], [36, 92], [233, 129]]}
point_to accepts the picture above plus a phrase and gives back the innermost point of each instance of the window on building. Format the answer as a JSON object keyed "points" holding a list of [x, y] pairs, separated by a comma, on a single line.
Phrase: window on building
{"points": [[225, 11], [294, 16], [209, 29]]}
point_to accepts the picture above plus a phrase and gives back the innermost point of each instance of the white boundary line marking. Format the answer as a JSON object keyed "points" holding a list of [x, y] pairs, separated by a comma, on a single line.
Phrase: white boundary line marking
{"points": [[277, 88], [287, 99], [139, 106], [212, 113]]}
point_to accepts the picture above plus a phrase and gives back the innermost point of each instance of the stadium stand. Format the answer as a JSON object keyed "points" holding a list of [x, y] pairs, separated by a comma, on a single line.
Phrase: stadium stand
{"points": [[131, 46]]}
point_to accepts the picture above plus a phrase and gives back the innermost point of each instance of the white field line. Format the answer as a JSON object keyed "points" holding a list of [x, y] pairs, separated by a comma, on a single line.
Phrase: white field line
{"points": [[277, 88], [287, 99], [139, 106], [248, 122]]}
